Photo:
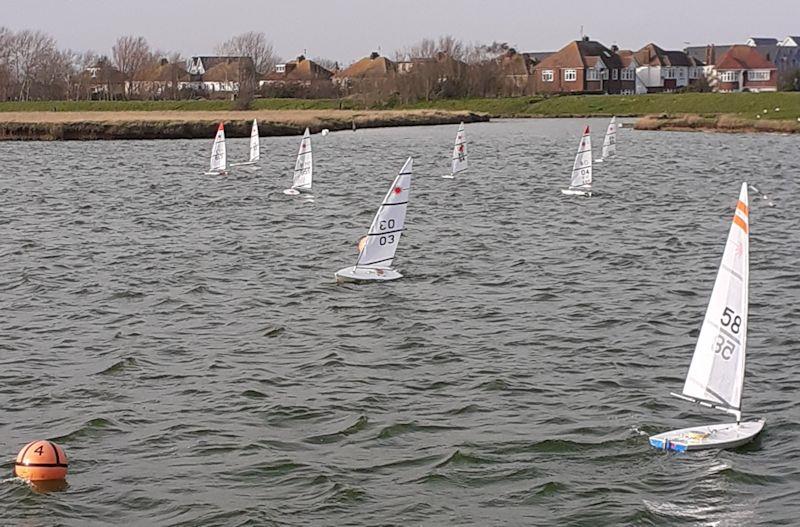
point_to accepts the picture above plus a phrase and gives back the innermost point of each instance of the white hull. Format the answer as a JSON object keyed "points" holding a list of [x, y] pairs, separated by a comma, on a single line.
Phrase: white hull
{"points": [[598, 160], [365, 274], [448, 176], [296, 191], [727, 435], [576, 192], [244, 164], [216, 173]]}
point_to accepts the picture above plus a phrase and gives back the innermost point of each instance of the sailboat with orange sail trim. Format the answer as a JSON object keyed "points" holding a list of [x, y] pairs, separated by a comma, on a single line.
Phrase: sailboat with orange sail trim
{"points": [[716, 374]]}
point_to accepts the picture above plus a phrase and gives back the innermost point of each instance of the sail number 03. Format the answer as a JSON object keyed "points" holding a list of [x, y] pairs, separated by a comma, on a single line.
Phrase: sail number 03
{"points": [[383, 225], [723, 345]]}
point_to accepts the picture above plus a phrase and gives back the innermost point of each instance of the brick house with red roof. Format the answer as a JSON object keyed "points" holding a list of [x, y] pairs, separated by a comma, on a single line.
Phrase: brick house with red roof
{"points": [[742, 68], [582, 66]]}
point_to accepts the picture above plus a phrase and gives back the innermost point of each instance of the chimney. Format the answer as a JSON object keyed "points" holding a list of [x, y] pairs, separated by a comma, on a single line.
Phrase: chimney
{"points": [[163, 62], [585, 38], [614, 48], [711, 55], [374, 55], [301, 58]]}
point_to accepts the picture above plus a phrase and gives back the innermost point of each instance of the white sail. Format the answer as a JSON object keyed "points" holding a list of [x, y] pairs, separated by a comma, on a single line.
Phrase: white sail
{"points": [[716, 374], [460, 151], [389, 223], [610, 140], [218, 157], [255, 146], [304, 167], [582, 169]]}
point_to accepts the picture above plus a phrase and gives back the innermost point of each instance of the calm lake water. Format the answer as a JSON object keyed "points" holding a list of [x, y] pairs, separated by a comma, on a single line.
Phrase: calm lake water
{"points": [[182, 337]]}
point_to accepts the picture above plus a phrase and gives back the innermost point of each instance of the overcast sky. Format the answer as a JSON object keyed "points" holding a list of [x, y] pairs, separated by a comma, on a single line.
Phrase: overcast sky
{"points": [[346, 30]]}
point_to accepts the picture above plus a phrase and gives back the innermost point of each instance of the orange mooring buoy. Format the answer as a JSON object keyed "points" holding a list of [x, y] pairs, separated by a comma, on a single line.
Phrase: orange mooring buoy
{"points": [[41, 461]]}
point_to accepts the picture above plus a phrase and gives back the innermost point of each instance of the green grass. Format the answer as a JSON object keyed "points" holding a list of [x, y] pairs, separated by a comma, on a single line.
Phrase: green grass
{"points": [[746, 105]]}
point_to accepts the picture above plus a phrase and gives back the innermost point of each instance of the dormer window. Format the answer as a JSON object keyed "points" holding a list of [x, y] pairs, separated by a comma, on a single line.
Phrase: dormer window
{"points": [[280, 68]]}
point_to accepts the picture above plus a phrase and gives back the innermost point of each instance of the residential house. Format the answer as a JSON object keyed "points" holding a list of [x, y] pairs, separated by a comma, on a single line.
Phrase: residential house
{"points": [[374, 75], [161, 80], [743, 68], [665, 71], [301, 72], [227, 76], [629, 82], [582, 66], [787, 58], [768, 47], [516, 74], [102, 82], [201, 64], [707, 54]]}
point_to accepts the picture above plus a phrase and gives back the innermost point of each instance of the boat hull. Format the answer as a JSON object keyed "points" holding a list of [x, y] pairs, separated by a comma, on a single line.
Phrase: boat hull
{"points": [[296, 191], [720, 436], [356, 275], [576, 192], [448, 176], [216, 173]]}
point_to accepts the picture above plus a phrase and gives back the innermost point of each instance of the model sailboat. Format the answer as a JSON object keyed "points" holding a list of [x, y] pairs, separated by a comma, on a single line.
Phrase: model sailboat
{"points": [[218, 157], [610, 141], [377, 248], [581, 182], [459, 153], [716, 375], [303, 168], [255, 148]]}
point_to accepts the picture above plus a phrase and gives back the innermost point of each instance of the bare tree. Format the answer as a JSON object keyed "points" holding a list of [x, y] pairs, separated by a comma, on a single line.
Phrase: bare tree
{"points": [[131, 55], [30, 52], [328, 64], [254, 45]]}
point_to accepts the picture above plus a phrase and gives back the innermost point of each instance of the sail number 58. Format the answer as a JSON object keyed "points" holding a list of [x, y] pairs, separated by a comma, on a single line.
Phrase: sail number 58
{"points": [[723, 345]]}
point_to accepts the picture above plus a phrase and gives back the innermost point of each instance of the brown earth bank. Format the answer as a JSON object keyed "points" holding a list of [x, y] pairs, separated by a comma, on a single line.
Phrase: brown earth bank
{"points": [[55, 126], [715, 123]]}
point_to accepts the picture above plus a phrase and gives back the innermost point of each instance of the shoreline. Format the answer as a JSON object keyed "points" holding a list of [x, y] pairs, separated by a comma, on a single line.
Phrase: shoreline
{"points": [[133, 125], [718, 123]]}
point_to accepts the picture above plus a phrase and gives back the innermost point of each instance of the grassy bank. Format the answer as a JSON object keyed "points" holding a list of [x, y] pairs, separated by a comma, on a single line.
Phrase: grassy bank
{"points": [[719, 123], [32, 125], [740, 104]]}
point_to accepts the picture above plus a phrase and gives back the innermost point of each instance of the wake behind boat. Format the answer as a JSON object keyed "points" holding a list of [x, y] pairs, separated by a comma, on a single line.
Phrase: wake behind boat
{"points": [[609, 141], [255, 148], [716, 375], [581, 181], [459, 153], [219, 158], [377, 248], [303, 168]]}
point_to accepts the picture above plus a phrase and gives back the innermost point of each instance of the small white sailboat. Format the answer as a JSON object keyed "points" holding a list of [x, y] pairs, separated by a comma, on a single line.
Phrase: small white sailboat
{"points": [[716, 375], [609, 141], [219, 159], [581, 182], [255, 148], [303, 168], [459, 153], [377, 248]]}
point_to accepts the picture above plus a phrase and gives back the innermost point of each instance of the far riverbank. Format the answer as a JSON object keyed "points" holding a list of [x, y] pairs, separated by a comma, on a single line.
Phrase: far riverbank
{"points": [[97, 125]]}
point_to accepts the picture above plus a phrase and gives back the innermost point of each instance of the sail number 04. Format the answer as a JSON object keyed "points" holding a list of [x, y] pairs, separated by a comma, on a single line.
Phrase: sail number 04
{"points": [[723, 345]]}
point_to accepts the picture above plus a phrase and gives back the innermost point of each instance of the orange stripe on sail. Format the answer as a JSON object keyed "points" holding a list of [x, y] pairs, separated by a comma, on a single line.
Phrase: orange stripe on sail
{"points": [[741, 223], [742, 207]]}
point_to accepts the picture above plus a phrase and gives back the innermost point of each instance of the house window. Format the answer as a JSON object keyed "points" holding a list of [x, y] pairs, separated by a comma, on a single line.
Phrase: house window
{"points": [[729, 76], [547, 75], [614, 74], [758, 75], [692, 73], [604, 74], [627, 74], [669, 73], [570, 75], [280, 68], [591, 75]]}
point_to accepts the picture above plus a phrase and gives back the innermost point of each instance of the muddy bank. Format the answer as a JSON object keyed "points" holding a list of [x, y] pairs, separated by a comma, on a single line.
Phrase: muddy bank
{"points": [[66, 126], [716, 123]]}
